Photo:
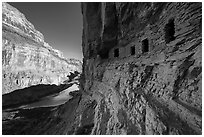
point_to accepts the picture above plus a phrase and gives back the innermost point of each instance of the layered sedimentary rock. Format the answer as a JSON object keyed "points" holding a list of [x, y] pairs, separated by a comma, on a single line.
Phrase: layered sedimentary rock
{"points": [[142, 68], [26, 58]]}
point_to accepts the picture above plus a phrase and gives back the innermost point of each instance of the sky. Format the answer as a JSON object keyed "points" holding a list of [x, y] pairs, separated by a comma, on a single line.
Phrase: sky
{"points": [[59, 22]]}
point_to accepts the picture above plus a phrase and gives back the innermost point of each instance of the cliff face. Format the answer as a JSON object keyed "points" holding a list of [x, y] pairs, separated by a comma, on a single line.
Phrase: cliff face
{"points": [[142, 68], [26, 58]]}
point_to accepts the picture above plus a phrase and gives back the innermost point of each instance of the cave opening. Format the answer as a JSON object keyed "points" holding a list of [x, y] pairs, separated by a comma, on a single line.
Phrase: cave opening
{"points": [[116, 52], [132, 50], [145, 46], [169, 30]]}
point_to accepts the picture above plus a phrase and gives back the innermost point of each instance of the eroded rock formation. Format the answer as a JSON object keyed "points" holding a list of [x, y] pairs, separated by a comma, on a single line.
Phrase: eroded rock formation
{"points": [[26, 58], [142, 68], [141, 74]]}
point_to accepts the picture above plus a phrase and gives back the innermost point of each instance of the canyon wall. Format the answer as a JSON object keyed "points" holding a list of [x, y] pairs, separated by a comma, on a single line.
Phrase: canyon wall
{"points": [[26, 58], [142, 68]]}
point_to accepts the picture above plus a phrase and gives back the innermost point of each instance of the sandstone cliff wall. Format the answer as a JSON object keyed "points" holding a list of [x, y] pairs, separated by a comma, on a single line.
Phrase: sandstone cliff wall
{"points": [[157, 89], [26, 58]]}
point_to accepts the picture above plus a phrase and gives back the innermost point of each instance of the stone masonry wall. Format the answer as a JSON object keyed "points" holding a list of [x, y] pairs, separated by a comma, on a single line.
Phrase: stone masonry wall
{"points": [[156, 92]]}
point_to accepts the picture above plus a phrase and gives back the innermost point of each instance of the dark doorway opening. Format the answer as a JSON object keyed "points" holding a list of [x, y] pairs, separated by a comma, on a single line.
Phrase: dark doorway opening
{"points": [[169, 31], [145, 45], [116, 53], [132, 50]]}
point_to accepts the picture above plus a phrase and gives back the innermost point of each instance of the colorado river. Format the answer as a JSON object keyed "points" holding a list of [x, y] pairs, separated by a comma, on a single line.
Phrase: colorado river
{"points": [[53, 100]]}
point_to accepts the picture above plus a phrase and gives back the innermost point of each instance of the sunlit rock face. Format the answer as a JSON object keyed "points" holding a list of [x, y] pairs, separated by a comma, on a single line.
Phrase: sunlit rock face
{"points": [[14, 20], [142, 68], [26, 59]]}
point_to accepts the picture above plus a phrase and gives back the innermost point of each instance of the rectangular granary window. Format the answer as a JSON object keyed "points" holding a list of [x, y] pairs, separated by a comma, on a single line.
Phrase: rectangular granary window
{"points": [[132, 50], [116, 52], [169, 30], [145, 45]]}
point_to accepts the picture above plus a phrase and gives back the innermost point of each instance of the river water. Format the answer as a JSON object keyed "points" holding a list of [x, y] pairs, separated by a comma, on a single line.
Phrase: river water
{"points": [[53, 100]]}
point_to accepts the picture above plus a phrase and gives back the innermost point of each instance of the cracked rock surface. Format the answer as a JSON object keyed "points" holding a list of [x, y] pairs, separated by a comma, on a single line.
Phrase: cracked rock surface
{"points": [[157, 92]]}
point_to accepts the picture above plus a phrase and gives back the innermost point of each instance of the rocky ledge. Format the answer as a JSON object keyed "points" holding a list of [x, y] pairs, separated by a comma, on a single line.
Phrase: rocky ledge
{"points": [[142, 68], [142, 74]]}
